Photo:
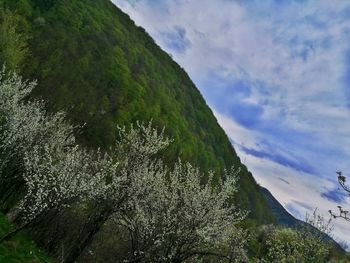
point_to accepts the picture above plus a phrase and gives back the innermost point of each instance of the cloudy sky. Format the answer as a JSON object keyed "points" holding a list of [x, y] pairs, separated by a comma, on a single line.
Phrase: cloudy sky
{"points": [[276, 73]]}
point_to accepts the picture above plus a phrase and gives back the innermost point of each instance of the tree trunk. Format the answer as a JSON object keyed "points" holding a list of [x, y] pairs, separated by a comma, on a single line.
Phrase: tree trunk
{"points": [[91, 228]]}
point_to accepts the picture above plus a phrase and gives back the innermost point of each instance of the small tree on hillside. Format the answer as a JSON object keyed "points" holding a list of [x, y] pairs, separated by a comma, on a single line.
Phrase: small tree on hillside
{"points": [[25, 124], [318, 222], [56, 178], [136, 146], [171, 217], [13, 43], [54, 170], [309, 243], [286, 245], [168, 214]]}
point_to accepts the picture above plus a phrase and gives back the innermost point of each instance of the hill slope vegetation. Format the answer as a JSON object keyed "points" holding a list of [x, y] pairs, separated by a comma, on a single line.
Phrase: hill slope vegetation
{"points": [[92, 61]]}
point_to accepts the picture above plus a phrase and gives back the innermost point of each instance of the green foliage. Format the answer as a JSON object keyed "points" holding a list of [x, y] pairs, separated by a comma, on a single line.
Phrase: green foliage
{"points": [[13, 42], [280, 244], [20, 248], [93, 62]]}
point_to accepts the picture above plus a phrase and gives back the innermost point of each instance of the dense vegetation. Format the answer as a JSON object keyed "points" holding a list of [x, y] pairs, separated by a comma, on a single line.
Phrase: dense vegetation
{"points": [[163, 214], [93, 62], [152, 212]]}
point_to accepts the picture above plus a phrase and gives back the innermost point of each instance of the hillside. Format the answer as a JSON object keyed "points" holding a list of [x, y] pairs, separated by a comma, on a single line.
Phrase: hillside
{"points": [[282, 215], [91, 60]]}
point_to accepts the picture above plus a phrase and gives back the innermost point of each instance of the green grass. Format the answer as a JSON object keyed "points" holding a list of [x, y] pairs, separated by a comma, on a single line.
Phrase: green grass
{"points": [[20, 248]]}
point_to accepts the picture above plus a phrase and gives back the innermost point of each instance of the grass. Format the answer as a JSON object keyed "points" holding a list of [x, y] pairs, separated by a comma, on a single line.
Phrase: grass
{"points": [[20, 248]]}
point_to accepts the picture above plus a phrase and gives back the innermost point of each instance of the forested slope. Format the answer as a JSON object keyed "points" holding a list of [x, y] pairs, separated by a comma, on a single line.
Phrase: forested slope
{"points": [[92, 61]]}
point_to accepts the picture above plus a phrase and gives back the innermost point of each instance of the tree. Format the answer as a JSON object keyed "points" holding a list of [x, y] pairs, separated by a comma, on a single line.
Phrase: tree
{"points": [[171, 217], [285, 245], [23, 125], [13, 43], [55, 179], [342, 213], [167, 214], [308, 243], [55, 171], [136, 146]]}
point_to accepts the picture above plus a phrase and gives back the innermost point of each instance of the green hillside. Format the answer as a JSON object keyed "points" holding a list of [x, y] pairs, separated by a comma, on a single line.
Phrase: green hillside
{"points": [[91, 60]]}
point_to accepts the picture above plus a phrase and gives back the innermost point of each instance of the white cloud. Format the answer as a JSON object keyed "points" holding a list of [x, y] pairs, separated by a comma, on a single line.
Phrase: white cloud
{"points": [[301, 188]]}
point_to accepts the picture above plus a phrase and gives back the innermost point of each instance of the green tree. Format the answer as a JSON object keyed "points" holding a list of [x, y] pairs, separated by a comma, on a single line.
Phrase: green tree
{"points": [[308, 243], [13, 42]]}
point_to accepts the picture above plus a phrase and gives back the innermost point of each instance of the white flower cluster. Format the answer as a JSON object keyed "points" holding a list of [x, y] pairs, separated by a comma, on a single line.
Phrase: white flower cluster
{"points": [[57, 177], [168, 213], [55, 170], [26, 124], [171, 216]]}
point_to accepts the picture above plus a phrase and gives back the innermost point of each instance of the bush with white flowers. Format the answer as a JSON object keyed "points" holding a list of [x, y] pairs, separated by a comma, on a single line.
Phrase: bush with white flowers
{"points": [[25, 124], [42, 150], [168, 213], [171, 217]]}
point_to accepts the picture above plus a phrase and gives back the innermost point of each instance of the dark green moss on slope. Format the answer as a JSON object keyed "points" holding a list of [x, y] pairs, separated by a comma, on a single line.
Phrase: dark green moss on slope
{"points": [[91, 60]]}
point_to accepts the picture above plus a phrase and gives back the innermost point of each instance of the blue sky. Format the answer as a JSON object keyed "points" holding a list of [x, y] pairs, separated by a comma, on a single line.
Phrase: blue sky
{"points": [[276, 73]]}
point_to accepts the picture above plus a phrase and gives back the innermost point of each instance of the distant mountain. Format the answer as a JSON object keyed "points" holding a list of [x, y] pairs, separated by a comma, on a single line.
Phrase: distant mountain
{"points": [[284, 218], [92, 61], [282, 215]]}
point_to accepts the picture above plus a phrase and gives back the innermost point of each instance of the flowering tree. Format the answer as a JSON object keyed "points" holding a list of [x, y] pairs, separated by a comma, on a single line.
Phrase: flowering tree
{"points": [[171, 217], [55, 171], [25, 125], [318, 222], [56, 178], [136, 146], [168, 214]]}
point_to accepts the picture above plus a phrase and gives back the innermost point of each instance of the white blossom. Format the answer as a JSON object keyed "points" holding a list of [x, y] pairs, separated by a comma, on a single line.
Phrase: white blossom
{"points": [[55, 170], [169, 213], [171, 216], [25, 124]]}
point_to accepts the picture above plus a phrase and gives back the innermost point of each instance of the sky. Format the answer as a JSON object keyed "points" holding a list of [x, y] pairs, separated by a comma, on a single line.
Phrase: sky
{"points": [[276, 74]]}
